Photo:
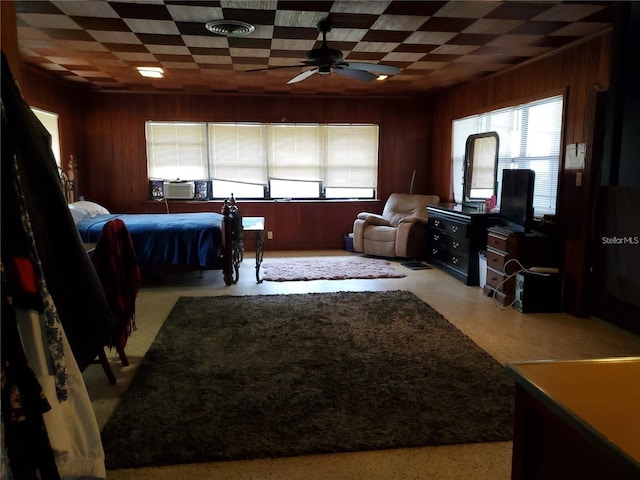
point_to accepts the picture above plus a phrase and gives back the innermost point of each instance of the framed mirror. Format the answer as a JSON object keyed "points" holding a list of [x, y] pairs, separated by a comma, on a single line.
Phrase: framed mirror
{"points": [[480, 168]]}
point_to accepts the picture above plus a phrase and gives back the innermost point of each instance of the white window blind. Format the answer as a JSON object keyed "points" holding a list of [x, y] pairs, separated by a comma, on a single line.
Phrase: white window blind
{"points": [[237, 152], [352, 156], [295, 152], [294, 160], [177, 150], [530, 137]]}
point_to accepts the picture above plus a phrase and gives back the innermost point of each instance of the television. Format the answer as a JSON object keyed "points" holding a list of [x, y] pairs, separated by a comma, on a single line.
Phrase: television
{"points": [[516, 199]]}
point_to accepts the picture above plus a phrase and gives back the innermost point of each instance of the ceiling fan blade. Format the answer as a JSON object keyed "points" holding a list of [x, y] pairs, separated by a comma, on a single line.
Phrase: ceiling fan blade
{"points": [[274, 68], [357, 74], [302, 76], [373, 67]]}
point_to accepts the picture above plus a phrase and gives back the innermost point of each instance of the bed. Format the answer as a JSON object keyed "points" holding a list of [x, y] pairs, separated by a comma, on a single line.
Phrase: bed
{"points": [[185, 241]]}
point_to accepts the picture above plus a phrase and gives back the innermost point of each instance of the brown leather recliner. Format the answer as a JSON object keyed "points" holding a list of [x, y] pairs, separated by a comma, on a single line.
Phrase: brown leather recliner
{"points": [[401, 230]]}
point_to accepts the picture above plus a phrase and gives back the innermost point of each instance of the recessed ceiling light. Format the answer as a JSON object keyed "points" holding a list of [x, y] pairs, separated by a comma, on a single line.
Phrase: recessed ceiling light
{"points": [[151, 72], [230, 28]]}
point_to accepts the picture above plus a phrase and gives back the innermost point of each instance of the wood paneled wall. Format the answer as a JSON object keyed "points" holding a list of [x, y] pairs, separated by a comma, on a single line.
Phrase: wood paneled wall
{"points": [[114, 170], [55, 96], [577, 72], [9, 37], [115, 141]]}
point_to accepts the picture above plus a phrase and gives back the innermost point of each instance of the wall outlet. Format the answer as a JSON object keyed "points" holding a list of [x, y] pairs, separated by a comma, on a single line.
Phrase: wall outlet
{"points": [[269, 235]]}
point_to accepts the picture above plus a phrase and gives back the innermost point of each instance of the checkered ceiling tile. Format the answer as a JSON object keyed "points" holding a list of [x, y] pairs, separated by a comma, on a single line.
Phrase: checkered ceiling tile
{"points": [[98, 44]]}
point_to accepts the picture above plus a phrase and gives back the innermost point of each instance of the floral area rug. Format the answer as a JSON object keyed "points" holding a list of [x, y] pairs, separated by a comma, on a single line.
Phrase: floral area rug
{"points": [[327, 268]]}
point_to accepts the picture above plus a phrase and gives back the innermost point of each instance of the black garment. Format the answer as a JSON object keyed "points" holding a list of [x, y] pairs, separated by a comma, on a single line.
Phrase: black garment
{"points": [[69, 274]]}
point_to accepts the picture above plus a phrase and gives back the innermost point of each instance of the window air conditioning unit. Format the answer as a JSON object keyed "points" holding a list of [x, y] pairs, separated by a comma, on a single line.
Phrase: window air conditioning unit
{"points": [[179, 190]]}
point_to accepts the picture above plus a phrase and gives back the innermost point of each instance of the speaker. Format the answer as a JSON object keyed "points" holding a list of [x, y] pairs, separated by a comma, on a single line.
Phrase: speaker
{"points": [[203, 190], [538, 292], [156, 190]]}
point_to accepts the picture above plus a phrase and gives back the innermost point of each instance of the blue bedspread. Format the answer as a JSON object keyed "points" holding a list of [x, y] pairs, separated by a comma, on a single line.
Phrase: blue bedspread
{"points": [[184, 239]]}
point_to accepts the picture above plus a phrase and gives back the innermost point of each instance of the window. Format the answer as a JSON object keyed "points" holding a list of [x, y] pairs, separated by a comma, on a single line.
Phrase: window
{"points": [[236, 154], [177, 150], [50, 122], [253, 160], [351, 169], [530, 137]]}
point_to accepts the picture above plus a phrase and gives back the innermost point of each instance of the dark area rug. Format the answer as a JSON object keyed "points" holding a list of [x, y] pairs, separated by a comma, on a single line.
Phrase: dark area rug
{"points": [[281, 375]]}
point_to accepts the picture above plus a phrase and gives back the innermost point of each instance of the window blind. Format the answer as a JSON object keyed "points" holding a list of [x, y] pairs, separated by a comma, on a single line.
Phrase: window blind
{"points": [[352, 156], [177, 150], [295, 152], [246, 157], [237, 152]]}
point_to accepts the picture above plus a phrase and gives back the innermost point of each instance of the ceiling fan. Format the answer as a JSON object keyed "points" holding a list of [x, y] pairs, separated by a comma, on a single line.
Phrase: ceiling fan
{"points": [[327, 60]]}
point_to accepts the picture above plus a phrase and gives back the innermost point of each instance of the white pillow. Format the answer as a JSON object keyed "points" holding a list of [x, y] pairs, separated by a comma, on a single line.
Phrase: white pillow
{"points": [[90, 208], [78, 214]]}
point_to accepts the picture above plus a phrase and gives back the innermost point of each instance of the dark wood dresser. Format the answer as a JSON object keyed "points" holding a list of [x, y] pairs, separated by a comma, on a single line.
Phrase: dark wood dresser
{"points": [[525, 249], [456, 235]]}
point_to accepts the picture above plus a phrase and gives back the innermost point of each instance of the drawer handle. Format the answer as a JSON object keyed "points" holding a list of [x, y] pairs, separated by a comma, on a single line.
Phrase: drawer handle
{"points": [[454, 260], [456, 244], [434, 251], [436, 237], [436, 223], [454, 229]]}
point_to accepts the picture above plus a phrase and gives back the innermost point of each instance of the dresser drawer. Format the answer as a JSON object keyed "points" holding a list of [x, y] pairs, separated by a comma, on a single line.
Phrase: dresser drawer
{"points": [[436, 222], [456, 244], [449, 226], [500, 281], [503, 261], [437, 252], [498, 242], [457, 260], [437, 237], [499, 297], [496, 260], [456, 229]]}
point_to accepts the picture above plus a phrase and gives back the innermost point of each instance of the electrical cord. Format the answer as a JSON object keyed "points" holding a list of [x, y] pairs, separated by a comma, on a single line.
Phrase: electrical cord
{"points": [[509, 277]]}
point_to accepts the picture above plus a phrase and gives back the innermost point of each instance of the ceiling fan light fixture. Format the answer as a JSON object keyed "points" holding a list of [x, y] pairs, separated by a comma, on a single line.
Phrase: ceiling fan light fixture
{"points": [[151, 72], [328, 60], [229, 28]]}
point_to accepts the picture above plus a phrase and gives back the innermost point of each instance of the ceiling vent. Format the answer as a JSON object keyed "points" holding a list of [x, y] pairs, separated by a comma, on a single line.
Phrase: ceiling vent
{"points": [[230, 28]]}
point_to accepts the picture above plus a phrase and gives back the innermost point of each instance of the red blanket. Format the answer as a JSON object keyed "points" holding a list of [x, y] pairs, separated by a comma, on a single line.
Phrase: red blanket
{"points": [[115, 261]]}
